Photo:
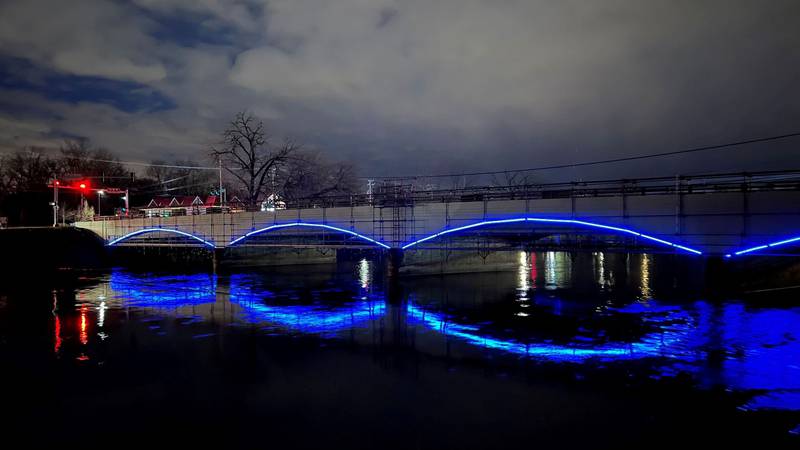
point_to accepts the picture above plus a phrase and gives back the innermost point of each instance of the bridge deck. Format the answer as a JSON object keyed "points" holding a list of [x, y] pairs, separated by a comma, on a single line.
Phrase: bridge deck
{"points": [[716, 214]]}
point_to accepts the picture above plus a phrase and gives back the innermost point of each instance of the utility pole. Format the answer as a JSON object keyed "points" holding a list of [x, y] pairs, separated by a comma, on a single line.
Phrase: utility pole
{"points": [[100, 193], [370, 184], [221, 196], [55, 202]]}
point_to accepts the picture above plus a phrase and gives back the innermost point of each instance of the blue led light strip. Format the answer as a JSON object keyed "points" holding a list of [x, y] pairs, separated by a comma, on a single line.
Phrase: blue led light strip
{"points": [[555, 221], [763, 246], [311, 225], [166, 230]]}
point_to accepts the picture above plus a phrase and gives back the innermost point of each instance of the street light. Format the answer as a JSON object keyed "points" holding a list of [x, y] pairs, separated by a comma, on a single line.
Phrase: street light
{"points": [[100, 194]]}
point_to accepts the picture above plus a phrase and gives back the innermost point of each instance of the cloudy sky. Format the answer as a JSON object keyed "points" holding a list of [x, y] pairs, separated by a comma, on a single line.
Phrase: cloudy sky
{"points": [[414, 86]]}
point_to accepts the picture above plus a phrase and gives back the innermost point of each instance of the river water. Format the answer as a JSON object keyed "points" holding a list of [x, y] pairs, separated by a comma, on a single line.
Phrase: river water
{"points": [[602, 350]]}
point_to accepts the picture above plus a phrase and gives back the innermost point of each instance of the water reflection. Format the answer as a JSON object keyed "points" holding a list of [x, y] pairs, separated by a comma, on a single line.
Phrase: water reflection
{"points": [[557, 270], [661, 343], [326, 320], [600, 269], [644, 284], [743, 348], [165, 291], [364, 273], [524, 276]]}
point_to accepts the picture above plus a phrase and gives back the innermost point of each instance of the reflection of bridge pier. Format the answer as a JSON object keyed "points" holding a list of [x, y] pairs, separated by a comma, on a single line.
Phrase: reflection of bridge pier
{"points": [[394, 326]]}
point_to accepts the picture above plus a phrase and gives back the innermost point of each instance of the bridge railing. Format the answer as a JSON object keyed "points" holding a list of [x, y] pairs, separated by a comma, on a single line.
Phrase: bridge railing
{"points": [[390, 195], [406, 193]]}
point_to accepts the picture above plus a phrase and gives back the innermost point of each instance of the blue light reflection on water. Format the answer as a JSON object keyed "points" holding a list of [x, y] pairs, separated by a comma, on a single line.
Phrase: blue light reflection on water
{"points": [[322, 320], [662, 343], [764, 354], [729, 344], [163, 291], [761, 348]]}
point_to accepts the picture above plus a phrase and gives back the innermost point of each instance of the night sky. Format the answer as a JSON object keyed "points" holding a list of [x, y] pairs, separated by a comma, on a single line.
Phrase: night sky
{"points": [[412, 86]]}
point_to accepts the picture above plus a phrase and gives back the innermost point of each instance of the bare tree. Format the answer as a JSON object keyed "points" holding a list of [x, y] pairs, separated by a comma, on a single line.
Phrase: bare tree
{"points": [[512, 180], [79, 158], [29, 170], [246, 153], [3, 176]]}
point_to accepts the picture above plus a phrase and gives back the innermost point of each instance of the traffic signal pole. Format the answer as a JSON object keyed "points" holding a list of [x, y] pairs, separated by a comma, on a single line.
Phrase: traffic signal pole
{"points": [[83, 187], [55, 203]]}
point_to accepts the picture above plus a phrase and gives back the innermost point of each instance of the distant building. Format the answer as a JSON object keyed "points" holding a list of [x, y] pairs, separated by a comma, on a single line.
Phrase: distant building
{"points": [[184, 205], [272, 203]]}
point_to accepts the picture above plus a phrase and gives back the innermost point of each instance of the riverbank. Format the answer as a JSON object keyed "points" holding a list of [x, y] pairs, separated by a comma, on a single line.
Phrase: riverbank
{"points": [[51, 249]]}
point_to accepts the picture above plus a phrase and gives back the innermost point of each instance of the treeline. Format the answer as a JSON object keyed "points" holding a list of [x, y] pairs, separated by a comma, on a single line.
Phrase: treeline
{"points": [[25, 177], [256, 168]]}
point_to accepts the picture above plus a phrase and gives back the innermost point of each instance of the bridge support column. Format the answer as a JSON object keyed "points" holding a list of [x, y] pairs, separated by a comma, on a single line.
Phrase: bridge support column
{"points": [[216, 257], [718, 278], [394, 260]]}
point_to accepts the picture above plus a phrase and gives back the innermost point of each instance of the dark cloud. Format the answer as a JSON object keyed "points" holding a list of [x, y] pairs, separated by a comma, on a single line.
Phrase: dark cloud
{"points": [[415, 86], [18, 74]]}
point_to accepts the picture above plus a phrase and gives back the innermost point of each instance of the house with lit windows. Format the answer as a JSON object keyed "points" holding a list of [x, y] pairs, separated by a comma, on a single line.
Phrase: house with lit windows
{"points": [[184, 205]]}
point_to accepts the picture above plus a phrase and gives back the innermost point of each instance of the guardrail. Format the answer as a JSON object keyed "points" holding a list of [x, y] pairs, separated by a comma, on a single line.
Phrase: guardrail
{"points": [[393, 194]]}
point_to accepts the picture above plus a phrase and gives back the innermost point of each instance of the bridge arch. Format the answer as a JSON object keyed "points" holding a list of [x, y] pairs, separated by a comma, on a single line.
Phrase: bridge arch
{"points": [[568, 222], [158, 230], [309, 225]]}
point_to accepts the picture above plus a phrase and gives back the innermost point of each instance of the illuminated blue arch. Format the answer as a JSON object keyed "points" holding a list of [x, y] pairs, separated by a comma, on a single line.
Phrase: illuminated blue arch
{"points": [[764, 246], [310, 225], [157, 230], [580, 223]]}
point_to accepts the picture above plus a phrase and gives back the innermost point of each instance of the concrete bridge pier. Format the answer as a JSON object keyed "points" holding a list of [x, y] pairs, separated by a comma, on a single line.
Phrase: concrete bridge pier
{"points": [[718, 277], [394, 260], [216, 258]]}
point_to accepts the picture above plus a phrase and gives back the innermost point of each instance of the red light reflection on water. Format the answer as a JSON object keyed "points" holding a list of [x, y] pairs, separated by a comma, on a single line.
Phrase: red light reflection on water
{"points": [[57, 327], [84, 336], [57, 345]]}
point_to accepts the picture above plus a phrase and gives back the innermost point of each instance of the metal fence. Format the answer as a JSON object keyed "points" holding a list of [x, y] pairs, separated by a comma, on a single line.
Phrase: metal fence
{"points": [[392, 194]]}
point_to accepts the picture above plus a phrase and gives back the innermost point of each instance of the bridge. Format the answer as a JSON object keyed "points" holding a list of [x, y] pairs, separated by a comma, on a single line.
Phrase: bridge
{"points": [[731, 215]]}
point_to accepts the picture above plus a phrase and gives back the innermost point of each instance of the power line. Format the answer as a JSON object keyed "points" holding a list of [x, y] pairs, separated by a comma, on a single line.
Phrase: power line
{"points": [[166, 189], [602, 161], [136, 163], [163, 183]]}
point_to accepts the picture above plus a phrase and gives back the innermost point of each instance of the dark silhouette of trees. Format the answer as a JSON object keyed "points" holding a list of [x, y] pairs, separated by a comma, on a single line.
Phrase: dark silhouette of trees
{"points": [[310, 176], [80, 159], [26, 175], [29, 170]]}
